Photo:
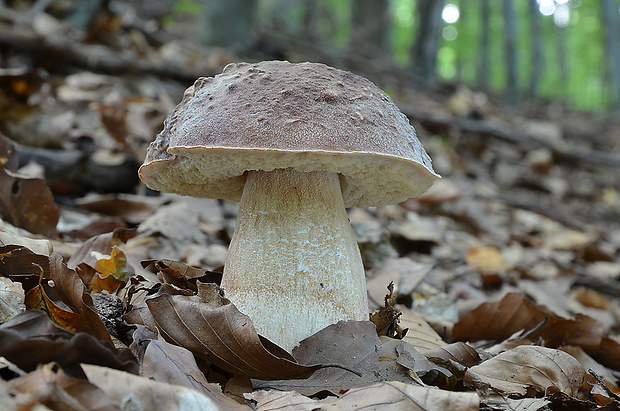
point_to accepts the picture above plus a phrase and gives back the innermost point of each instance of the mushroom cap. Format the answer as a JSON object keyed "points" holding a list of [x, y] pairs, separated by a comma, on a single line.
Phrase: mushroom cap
{"points": [[276, 114]]}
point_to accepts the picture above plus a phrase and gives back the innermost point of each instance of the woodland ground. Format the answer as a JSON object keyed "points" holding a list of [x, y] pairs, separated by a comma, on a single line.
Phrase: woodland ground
{"points": [[504, 276]]}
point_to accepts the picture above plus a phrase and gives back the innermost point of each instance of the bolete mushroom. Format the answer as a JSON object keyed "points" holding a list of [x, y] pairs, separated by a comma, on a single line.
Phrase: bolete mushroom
{"points": [[295, 144]]}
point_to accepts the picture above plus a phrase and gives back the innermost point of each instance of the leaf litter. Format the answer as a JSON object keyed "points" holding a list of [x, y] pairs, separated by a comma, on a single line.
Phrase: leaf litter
{"points": [[504, 274]]}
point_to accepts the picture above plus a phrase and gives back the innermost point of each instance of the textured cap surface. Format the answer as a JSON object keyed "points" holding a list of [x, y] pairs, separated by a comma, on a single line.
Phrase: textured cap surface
{"points": [[276, 114]]}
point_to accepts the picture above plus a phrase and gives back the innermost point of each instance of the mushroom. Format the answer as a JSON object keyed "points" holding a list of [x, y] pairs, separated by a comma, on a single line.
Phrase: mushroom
{"points": [[295, 144]]}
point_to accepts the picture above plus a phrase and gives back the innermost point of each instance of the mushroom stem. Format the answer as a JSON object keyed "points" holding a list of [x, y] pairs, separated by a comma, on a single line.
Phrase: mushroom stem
{"points": [[294, 266]]}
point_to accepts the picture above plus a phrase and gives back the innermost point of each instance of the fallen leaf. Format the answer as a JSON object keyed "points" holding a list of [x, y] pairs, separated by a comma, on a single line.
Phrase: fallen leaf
{"points": [[220, 333], [608, 353], [269, 400], [400, 396], [588, 363], [501, 319], [459, 352], [175, 365], [37, 299], [72, 292], [391, 395], [101, 244], [355, 345], [420, 334], [38, 246], [526, 370], [51, 387], [113, 264], [145, 394], [30, 339], [22, 265]]}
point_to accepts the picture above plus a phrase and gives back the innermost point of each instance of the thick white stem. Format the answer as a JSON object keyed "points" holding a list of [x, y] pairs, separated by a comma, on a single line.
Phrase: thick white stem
{"points": [[294, 266]]}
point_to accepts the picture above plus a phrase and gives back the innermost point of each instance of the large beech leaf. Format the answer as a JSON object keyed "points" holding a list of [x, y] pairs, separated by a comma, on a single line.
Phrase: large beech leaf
{"points": [[218, 332], [391, 395], [513, 313], [528, 369], [354, 344]]}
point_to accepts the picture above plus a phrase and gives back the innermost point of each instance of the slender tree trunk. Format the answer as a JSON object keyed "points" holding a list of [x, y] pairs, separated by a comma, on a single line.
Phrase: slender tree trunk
{"points": [[483, 71], [562, 57], [428, 35], [510, 50], [537, 63], [310, 19], [611, 26], [370, 23]]}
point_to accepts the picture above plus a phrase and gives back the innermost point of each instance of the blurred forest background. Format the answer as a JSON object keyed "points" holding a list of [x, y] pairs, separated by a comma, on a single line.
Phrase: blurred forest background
{"points": [[567, 51]]}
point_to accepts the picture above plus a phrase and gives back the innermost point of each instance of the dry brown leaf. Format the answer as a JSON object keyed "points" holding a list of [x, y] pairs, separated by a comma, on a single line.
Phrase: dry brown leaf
{"points": [[397, 396], [608, 353], [22, 265], [72, 292], [528, 369], [392, 396], [145, 394], [51, 387], [218, 332], [501, 402], [271, 400], [27, 203], [421, 335], [37, 299], [355, 345], [31, 338], [10, 236], [499, 320], [588, 363], [459, 352], [175, 365]]}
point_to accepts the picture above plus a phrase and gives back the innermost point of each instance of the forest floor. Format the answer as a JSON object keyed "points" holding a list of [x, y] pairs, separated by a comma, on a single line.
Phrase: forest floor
{"points": [[504, 276]]}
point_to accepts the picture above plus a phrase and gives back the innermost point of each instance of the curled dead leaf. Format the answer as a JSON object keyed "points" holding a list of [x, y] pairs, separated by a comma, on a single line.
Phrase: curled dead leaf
{"points": [[501, 319], [51, 387], [459, 352], [354, 344], [220, 333], [527, 370], [31, 338]]}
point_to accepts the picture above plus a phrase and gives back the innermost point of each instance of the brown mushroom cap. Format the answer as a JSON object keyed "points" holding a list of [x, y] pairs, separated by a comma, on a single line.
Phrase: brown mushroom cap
{"points": [[276, 114]]}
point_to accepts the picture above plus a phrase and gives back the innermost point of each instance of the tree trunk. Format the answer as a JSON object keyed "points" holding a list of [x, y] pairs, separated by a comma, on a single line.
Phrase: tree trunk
{"points": [[611, 26], [537, 64], [510, 50], [428, 35], [483, 71], [228, 23], [370, 23]]}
